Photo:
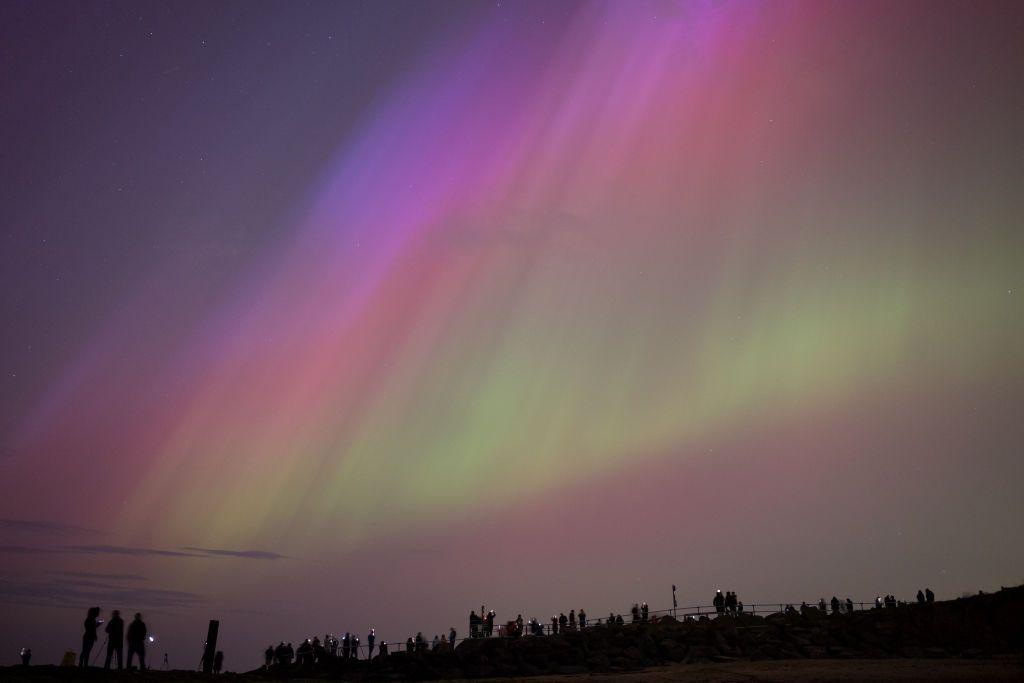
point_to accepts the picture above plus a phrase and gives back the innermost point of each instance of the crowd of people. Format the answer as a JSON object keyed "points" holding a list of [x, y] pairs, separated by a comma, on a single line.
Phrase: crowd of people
{"points": [[313, 651]]}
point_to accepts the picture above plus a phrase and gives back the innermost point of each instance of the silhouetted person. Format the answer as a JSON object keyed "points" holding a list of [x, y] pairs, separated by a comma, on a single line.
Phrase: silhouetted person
{"points": [[383, 649], [371, 638], [554, 625], [644, 611], [89, 637], [435, 643], [409, 645], [572, 620], [346, 645], [421, 642], [289, 653], [563, 622], [489, 624], [719, 602], [739, 607], [635, 612], [451, 636], [355, 647], [583, 618], [821, 605], [218, 662], [928, 595], [920, 596], [519, 624], [26, 656], [137, 641], [268, 655], [849, 605], [803, 609], [474, 625], [115, 639], [835, 605]]}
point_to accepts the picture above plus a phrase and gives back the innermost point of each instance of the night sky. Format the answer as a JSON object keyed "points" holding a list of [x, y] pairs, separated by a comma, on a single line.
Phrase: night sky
{"points": [[319, 316]]}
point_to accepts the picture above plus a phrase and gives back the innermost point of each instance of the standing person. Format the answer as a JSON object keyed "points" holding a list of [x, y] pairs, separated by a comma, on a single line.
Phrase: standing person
{"points": [[572, 620], [474, 624], [26, 656], [929, 596], [115, 639], [563, 621], [137, 641], [268, 655], [583, 619], [490, 623], [91, 623], [355, 647], [719, 602], [451, 637], [554, 625], [849, 604], [371, 638], [645, 611]]}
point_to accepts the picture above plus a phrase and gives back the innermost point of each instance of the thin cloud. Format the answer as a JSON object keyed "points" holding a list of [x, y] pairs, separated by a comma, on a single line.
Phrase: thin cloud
{"points": [[126, 550], [247, 554], [45, 528], [72, 593]]}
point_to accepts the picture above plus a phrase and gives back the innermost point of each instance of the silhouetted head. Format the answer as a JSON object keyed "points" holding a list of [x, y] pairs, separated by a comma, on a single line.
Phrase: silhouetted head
{"points": [[115, 614], [94, 612], [138, 616]]}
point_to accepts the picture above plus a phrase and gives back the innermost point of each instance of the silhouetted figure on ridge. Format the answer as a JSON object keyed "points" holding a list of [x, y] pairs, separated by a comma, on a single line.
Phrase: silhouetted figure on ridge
{"points": [[719, 602], [920, 597], [635, 612], [91, 624], [835, 605], [371, 637], [383, 650], [409, 645], [289, 654], [137, 641], [739, 607], [268, 655], [355, 647], [572, 620], [554, 625], [346, 645], [822, 606], [474, 625], [26, 656], [619, 620], [730, 602], [645, 611], [849, 605], [451, 636], [489, 624], [583, 618], [115, 639], [929, 595]]}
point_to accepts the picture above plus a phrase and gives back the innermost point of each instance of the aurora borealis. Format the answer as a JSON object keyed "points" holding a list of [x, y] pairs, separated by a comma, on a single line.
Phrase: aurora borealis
{"points": [[417, 306]]}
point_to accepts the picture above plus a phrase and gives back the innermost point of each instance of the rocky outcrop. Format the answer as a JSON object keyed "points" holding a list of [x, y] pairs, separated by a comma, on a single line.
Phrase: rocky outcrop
{"points": [[979, 626]]}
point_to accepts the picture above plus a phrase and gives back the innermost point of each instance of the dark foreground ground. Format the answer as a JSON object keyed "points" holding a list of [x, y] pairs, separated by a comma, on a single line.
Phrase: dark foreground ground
{"points": [[975, 638], [799, 671]]}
